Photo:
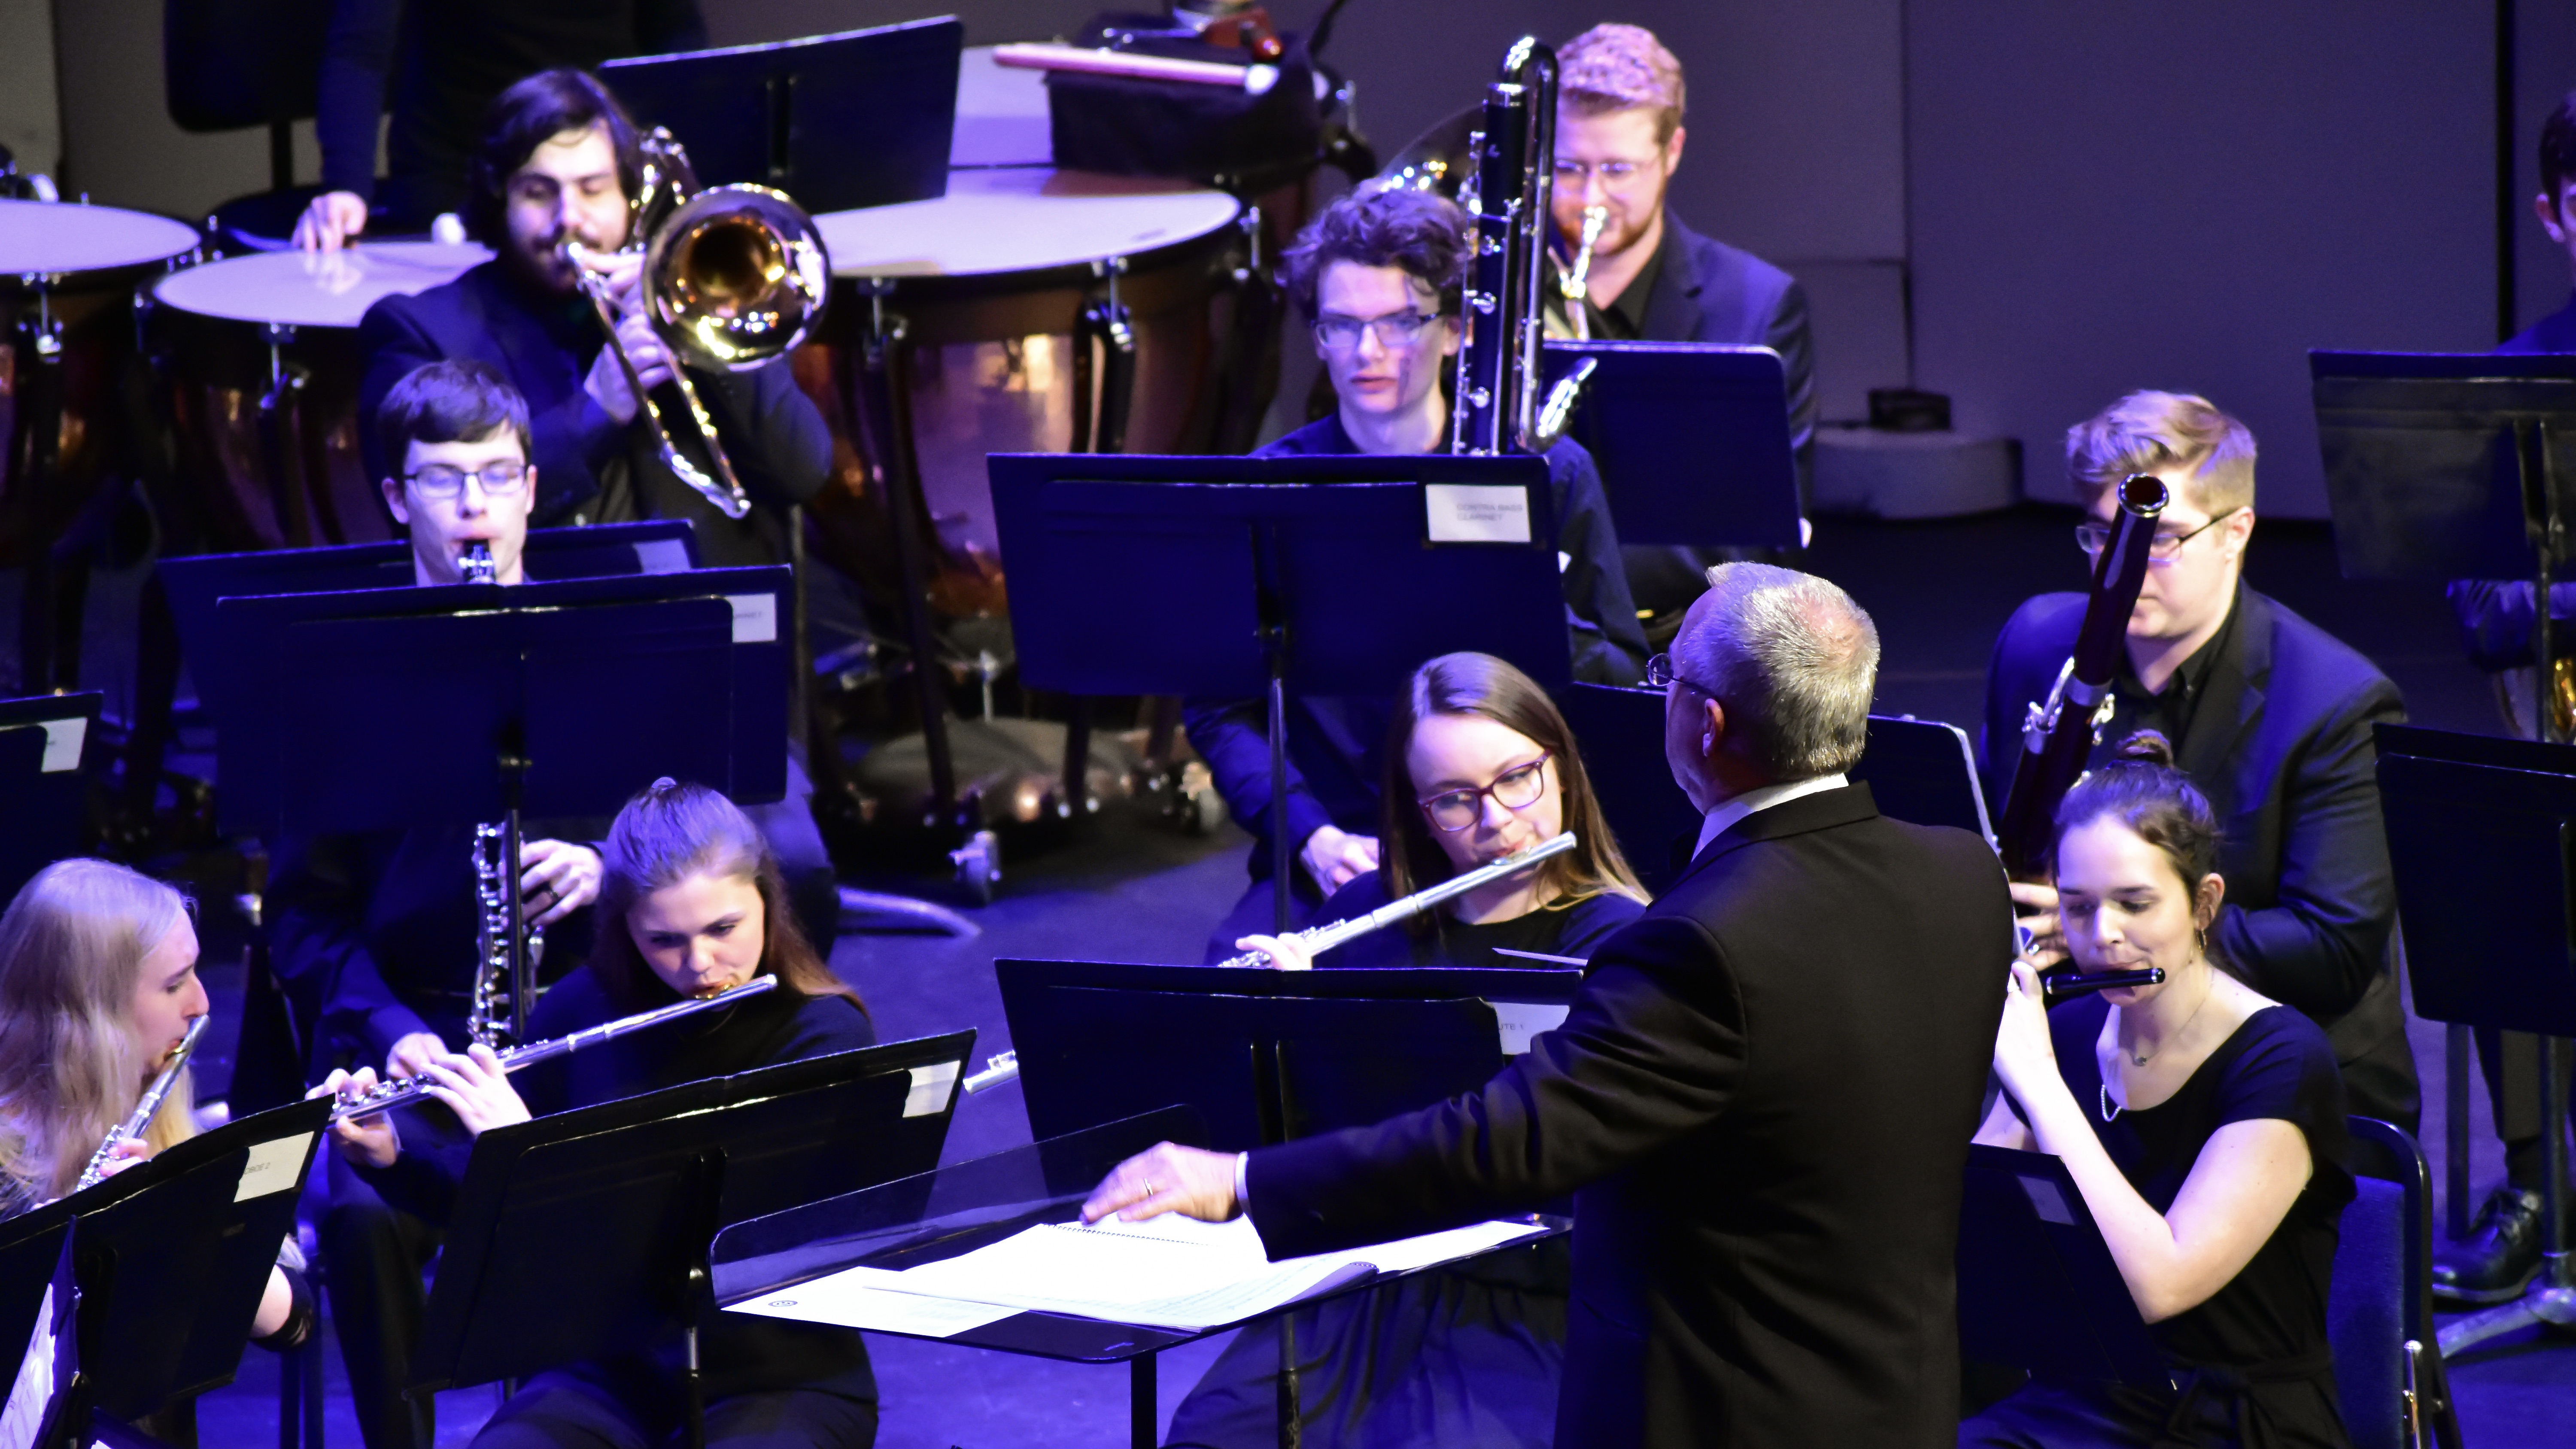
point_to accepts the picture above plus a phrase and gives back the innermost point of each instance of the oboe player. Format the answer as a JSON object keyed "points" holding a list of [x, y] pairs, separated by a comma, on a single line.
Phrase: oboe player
{"points": [[2270, 718], [693, 903]]}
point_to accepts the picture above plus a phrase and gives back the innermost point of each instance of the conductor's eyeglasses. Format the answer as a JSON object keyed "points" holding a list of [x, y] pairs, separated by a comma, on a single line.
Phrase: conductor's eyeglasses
{"points": [[1517, 788], [2093, 538], [440, 480], [1395, 331], [1661, 674]]}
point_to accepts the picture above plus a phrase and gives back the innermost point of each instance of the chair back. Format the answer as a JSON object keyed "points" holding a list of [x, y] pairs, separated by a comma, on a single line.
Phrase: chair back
{"points": [[2366, 1314]]}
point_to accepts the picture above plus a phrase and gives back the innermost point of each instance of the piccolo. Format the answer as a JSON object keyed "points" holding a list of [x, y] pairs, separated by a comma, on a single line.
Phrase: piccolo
{"points": [[144, 1111], [385, 1096], [1319, 939]]}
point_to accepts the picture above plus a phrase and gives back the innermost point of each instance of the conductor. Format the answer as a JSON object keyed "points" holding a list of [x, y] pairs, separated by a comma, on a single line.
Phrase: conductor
{"points": [[1786, 1047]]}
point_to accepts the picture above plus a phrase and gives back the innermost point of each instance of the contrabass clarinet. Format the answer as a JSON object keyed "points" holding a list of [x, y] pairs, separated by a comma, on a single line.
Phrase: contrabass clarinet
{"points": [[1319, 939], [385, 1096], [144, 1111], [2060, 734]]}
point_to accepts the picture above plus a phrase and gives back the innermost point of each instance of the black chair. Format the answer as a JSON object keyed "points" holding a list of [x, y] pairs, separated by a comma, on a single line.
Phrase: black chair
{"points": [[2379, 1309], [230, 65]]}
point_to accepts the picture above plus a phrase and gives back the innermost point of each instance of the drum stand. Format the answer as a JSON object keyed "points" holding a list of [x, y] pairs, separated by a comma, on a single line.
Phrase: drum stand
{"points": [[35, 461]]}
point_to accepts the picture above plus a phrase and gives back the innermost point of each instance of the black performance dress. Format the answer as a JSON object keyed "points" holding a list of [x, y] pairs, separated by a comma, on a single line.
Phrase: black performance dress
{"points": [[1467, 1355], [2253, 1360], [768, 1383]]}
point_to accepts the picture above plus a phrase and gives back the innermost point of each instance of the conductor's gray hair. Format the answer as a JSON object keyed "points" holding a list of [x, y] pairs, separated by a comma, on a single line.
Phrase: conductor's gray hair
{"points": [[1794, 662]]}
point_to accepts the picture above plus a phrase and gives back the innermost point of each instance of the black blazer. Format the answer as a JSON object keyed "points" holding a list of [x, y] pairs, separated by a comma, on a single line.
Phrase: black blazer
{"points": [[2282, 749], [544, 344], [1762, 1101]]}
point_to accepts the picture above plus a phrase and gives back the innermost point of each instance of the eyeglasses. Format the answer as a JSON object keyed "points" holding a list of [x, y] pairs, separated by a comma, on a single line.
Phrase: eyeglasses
{"points": [[2093, 538], [1612, 173], [439, 480], [1517, 788], [1395, 331], [1661, 674]]}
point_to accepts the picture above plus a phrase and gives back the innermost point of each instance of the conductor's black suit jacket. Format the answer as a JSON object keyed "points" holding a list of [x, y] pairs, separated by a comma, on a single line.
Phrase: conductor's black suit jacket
{"points": [[1762, 1102]]}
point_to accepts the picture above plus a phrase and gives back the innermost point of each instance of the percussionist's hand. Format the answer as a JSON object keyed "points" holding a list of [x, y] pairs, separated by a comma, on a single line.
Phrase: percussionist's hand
{"points": [[1286, 953], [2038, 915], [1166, 1179], [2025, 1057], [1332, 856], [371, 1140], [412, 1054], [331, 222], [473, 1085], [557, 878]]}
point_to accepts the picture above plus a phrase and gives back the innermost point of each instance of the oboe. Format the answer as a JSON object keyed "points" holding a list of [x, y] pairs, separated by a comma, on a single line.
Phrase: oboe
{"points": [[144, 1111], [1319, 939], [385, 1096]]}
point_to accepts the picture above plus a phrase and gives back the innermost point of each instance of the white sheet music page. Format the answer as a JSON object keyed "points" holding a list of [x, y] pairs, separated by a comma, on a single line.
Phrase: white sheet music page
{"points": [[1167, 1272]]}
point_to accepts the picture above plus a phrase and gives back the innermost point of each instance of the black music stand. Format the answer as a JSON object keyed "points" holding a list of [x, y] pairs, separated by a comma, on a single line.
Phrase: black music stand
{"points": [[2477, 840], [962, 1208], [2037, 1287], [170, 1258], [1263, 1056], [45, 749], [195, 584], [1233, 577], [30, 1269], [1692, 439], [859, 118], [547, 699], [585, 1234], [2444, 467], [1919, 771]]}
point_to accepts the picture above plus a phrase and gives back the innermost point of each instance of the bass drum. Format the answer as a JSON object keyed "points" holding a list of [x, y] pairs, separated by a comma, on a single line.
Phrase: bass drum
{"points": [[1041, 311], [262, 357]]}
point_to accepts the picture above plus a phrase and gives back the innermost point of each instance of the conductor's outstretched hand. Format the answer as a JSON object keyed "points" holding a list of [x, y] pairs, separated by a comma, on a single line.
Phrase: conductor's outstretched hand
{"points": [[1167, 1179]]}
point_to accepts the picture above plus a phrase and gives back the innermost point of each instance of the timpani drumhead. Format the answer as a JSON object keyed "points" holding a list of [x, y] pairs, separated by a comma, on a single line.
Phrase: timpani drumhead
{"points": [[53, 237], [1022, 219], [314, 289]]}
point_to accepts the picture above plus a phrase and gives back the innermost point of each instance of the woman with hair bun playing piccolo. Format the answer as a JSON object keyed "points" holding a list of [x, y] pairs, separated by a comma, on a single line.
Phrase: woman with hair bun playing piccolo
{"points": [[2203, 1122]]}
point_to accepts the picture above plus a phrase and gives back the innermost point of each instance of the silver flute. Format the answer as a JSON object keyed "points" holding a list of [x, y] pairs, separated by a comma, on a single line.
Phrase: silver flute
{"points": [[385, 1096], [144, 1111], [1319, 939]]}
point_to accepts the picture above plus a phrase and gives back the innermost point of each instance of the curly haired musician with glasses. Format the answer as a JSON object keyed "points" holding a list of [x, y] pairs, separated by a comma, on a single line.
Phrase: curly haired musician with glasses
{"points": [[2270, 717]]}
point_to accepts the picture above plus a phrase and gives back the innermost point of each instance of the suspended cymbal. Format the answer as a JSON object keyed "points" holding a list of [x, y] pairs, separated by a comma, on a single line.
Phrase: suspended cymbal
{"points": [[1436, 161]]}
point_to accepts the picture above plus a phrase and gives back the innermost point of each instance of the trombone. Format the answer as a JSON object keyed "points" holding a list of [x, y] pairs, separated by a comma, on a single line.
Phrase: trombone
{"points": [[733, 277]]}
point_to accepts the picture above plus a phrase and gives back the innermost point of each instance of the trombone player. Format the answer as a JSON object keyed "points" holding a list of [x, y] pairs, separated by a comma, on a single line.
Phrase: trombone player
{"points": [[560, 161]]}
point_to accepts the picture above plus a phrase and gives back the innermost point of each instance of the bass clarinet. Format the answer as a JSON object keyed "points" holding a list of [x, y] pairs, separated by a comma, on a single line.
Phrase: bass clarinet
{"points": [[1319, 939], [2060, 734], [385, 1096], [144, 1111]]}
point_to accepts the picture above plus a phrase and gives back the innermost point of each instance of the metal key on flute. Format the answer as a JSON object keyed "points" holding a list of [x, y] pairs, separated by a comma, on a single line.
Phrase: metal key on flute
{"points": [[388, 1095], [1319, 939]]}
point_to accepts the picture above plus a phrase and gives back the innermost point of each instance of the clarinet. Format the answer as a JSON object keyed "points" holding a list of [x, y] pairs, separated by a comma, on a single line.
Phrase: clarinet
{"points": [[385, 1096], [2059, 734], [1319, 939], [487, 1010], [144, 1111]]}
